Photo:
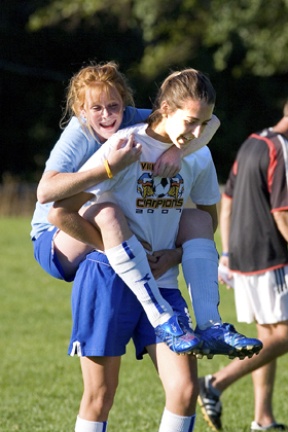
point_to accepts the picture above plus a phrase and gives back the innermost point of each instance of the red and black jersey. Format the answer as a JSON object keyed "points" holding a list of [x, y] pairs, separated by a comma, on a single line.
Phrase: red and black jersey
{"points": [[257, 184]]}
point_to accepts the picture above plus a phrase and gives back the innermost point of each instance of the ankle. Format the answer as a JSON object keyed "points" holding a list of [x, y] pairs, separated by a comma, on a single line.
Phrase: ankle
{"points": [[211, 383]]}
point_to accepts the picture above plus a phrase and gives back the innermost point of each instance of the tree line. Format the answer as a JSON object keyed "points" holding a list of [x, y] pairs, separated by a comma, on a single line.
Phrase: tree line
{"points": [[242, 45]]}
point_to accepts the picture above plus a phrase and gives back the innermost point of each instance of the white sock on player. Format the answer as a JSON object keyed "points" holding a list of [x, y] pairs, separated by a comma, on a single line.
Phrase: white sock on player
{"points": [[90, 426], [130, 262], [200, 270], [175, 423]]}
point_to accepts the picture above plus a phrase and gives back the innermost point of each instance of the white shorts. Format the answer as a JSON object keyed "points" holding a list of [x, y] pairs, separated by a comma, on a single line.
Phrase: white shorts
{"points": [[263, 297]]}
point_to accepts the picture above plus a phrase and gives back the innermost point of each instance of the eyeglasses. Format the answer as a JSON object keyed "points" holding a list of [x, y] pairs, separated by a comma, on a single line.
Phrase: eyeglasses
{"points": [[112, 108]]}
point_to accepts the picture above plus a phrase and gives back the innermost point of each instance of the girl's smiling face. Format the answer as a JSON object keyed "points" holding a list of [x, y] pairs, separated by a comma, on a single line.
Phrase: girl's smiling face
{"points": [[103, 110], [185, 124]]}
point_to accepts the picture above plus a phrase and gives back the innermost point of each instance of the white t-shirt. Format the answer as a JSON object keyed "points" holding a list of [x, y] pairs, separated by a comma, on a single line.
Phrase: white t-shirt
{"points": [[153, 205]]}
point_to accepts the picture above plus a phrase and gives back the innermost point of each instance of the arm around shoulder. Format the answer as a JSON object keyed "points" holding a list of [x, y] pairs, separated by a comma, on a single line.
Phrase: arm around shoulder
{"points": [[206, 136], [55, 186]]}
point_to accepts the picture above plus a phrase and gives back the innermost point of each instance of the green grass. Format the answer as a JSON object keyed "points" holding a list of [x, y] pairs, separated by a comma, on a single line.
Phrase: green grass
{"points": [[41, 386]]}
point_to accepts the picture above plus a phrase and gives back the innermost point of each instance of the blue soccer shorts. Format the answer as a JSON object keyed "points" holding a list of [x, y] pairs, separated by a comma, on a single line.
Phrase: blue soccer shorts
{"points": [[45, 255], [106, 314]]}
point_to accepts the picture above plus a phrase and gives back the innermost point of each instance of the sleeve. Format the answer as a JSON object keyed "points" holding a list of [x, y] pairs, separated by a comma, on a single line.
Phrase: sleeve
{"points": [[206, 136], [205, 189], [134, 115], [72, 149]]}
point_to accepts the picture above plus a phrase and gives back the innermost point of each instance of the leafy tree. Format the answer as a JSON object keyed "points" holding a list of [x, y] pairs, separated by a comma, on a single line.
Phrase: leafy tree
{"points": [[256, 28], [34, 71], [251, 36], [242, 44]]}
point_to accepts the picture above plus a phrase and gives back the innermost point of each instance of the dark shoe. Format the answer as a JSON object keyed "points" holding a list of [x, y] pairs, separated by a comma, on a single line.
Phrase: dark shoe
{"points": [[210, 404]]}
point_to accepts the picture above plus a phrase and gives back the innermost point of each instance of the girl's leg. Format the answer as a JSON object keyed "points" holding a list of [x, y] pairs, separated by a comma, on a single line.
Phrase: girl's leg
{"points": [[128, 259], [275, 344], [70, 252], [275, 341], [200, 270], [200, 265], [194, 223], [178, 375], [100, 379]]}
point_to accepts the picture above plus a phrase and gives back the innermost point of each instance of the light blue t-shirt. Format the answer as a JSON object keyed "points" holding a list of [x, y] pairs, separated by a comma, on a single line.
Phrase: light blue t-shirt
{"points": [[72, 150]]}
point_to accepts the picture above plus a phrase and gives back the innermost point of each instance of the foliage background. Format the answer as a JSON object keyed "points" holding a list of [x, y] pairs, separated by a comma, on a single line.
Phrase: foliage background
{"points": [[241, 44]]}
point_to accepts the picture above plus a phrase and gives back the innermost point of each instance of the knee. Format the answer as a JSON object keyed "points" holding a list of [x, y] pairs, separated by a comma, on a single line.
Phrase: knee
{"points": [[274, 336], [194, 223], [183, 394], [189, 394], [98, 404], [103, 214], [104, 403]]}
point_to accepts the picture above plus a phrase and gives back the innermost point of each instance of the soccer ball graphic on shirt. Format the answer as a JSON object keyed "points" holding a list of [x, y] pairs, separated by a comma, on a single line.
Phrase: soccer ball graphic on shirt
{"points": [[161, 187]]}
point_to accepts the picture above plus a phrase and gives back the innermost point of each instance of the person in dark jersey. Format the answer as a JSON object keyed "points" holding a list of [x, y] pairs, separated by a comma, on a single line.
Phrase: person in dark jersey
{"points": [[254, 234]]}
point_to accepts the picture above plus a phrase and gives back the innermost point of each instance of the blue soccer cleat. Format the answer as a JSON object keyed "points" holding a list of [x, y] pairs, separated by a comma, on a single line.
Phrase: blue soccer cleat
{"points": [[179, 338], [223, 339]]}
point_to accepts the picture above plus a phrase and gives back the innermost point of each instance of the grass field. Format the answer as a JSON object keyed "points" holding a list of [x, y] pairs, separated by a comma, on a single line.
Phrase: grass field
{"points": [[41, 386]]}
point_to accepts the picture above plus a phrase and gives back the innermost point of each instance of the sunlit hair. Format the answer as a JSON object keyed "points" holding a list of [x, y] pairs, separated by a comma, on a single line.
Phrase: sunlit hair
{"points": [[105, 76], [178, 87], [285, 109]]}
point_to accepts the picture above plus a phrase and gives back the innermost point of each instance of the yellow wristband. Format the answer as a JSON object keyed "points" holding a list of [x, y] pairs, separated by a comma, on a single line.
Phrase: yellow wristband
{"points": [[108, 169]]}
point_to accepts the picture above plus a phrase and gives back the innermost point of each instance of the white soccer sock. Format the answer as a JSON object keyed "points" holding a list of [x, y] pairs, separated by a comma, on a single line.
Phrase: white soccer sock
{"points": [[200, 270], [175, 423], [130, 262], [90, 426]]}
